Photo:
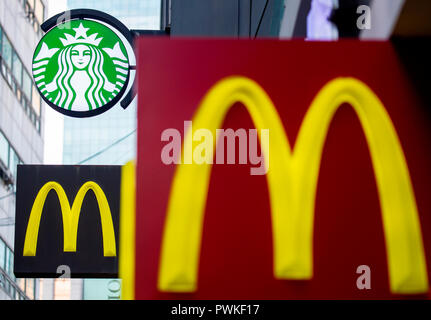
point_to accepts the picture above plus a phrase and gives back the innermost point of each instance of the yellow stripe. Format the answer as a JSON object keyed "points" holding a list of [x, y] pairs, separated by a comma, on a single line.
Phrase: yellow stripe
{"points": [[127, 231], [108, 234], [31, 235], [292, 181]]}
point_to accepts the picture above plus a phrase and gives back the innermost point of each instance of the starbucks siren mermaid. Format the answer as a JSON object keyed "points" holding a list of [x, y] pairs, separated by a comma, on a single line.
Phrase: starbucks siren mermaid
{"points": [[80, 82]]}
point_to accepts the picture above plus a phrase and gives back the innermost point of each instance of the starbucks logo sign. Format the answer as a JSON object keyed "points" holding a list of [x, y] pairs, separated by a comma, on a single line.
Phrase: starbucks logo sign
{"points": [[82, 69]]}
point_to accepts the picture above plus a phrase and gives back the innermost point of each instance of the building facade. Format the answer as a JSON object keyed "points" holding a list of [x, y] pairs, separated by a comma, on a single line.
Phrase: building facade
{"points": [[21, 126]]}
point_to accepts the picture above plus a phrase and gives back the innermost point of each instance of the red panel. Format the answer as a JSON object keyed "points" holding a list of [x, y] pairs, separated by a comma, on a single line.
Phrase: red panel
{"points": [[236, 258]]}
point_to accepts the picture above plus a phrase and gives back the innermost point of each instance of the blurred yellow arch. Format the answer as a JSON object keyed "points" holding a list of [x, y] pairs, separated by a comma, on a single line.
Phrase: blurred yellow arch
{"points": [[292, 179]]}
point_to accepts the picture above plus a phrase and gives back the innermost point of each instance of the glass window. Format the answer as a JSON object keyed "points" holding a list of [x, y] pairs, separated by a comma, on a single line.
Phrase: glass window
{"points": [[9, 262], [13, 161], [6, 51], [26, 84], [36, 101], [7, 285], [62, 289], [30, 3], [17, 68], [29, 288], [12, 291], [39, 11], [2, 254], [26, 105], [21, 283], [38, 125], [35, 26], [4, 149], [40, 289]]}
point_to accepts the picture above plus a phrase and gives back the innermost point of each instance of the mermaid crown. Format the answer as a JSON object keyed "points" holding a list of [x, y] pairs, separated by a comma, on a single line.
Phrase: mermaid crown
{"points": [[80, 37]]}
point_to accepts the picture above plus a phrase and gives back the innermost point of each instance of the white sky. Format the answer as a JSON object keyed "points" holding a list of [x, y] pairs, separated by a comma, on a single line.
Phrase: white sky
{"points": [[53, 152]]}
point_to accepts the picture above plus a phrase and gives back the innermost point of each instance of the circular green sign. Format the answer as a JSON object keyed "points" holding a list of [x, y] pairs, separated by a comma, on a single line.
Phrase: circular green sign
{"points": [[82, 69]]}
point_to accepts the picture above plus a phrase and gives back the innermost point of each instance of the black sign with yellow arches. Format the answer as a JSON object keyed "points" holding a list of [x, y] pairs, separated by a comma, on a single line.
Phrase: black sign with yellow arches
{"points": [[67, 220]]}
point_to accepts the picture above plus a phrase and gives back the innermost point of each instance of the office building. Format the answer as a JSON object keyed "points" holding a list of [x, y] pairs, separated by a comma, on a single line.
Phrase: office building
{"points": [[21, 126]]}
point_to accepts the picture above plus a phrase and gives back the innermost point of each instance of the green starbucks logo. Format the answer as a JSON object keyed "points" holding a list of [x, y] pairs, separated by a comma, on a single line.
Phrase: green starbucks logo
{"points": [[82, 69]]}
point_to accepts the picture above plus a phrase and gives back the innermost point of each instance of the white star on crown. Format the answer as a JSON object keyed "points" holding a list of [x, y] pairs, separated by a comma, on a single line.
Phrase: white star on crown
{"points": [[80, 37]]}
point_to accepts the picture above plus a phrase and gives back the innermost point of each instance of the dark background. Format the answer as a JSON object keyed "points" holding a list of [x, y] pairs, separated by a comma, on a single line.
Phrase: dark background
{"points": [[252, 18], [226, 18], [88, 261]]}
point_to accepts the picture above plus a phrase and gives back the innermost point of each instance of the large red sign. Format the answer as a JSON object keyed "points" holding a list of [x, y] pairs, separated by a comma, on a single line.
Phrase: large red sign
{"points": [[347, 161]]}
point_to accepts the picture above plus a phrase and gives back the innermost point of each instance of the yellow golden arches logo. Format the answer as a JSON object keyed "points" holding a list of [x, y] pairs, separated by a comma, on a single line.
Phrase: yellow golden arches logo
{"points": [[70, 217], [292, 180]]}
